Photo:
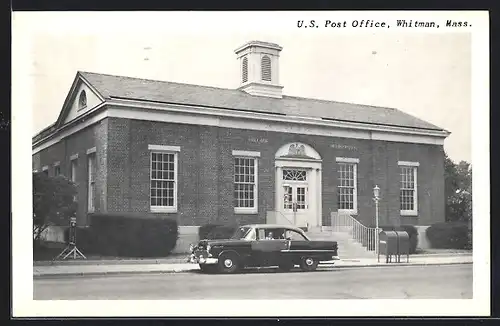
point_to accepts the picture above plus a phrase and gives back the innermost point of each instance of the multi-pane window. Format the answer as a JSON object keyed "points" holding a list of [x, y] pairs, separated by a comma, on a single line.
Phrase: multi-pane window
{"points": [[57, 170], [245, 182], [266, 68], [408, 189], [244, 68], [347, 187], [163, 180], [91, 170]]}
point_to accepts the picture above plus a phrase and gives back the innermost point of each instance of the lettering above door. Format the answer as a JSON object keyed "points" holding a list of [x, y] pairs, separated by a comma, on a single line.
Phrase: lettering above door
{"points": [[347, 147], [258, 140]]}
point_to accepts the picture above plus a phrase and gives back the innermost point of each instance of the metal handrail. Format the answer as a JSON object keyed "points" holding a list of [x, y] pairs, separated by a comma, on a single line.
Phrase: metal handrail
{"points": [[368, 237]]}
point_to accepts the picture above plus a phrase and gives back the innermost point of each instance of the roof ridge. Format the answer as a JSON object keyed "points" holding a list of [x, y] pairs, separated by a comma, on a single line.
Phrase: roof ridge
{"points": [[161, 81]]}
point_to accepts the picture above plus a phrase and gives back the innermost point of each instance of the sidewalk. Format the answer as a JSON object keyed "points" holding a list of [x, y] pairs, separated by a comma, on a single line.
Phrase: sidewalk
{"points": [[113, 267]]}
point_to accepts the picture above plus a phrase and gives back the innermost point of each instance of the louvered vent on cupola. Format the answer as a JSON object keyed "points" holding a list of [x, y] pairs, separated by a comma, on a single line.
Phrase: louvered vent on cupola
{"points": [[266, 68], [244, 72]]}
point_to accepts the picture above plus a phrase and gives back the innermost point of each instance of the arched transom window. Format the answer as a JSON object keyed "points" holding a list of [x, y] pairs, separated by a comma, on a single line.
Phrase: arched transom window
{"points": [[266, 68], [244, 70], [82, 102]]}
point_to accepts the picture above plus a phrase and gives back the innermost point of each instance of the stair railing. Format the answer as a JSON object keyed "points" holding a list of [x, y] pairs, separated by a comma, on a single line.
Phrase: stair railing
{"points": [[367, 237]]}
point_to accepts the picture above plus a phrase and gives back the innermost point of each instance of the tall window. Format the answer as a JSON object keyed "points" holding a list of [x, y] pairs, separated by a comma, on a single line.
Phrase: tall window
{"points": [[408, 189], [91, 181], [57, 169], [74, 165], [163, 181], [347, 185], [244, 68], [266, 68], [245, 184], [72, 171]]}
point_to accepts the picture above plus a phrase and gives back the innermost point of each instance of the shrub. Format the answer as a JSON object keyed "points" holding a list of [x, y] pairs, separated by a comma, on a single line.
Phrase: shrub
{"points": [[128, 236], [448, 235], [216, 231], [410, 229]]}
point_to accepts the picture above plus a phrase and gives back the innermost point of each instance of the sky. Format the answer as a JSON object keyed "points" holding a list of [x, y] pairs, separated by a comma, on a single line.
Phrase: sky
{"points": [[427, 75]]}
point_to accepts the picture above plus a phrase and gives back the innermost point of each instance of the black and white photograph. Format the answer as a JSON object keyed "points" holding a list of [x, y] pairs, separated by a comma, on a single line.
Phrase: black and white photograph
{"points": [[250, 163]]}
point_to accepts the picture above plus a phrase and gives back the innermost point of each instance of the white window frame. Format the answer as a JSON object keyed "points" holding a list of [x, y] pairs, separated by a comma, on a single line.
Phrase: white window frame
{"points": [[355, 163], [255, 156], [163, 149], [91, 174], [72, 172], [414, 166], [57, 166]]}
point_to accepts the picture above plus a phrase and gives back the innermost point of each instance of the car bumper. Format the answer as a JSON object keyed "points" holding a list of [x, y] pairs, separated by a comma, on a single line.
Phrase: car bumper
{"points": [[335, 258], [202, 260]]}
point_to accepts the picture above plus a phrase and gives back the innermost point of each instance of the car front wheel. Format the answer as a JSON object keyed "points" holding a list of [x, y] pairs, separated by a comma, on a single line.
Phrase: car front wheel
{"points": [[228, 263], [308, 264]]}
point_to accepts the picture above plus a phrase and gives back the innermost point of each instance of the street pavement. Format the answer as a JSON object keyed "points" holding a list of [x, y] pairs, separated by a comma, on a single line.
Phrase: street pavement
{"points": [[89, 268], [394, 282]]}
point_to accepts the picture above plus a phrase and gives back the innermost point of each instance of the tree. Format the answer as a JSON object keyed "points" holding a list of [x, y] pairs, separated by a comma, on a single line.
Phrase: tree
{"points": [[458, 190], [53, 202]]}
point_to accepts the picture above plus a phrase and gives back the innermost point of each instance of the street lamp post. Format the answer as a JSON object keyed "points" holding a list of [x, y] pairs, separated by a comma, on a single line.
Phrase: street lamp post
{"points": [[376, 197]]}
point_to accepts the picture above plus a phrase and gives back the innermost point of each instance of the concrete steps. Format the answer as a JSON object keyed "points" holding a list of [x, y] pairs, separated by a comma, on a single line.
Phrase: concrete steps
{"points": [[348, 248]]}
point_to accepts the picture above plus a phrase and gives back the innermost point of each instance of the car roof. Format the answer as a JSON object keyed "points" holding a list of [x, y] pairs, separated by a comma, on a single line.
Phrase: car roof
{"points": [[273, 226]]}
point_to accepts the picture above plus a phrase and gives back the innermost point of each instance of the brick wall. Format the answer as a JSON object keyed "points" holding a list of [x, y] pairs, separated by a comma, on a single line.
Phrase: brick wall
{"points": [[206, 172], [78, 143]]}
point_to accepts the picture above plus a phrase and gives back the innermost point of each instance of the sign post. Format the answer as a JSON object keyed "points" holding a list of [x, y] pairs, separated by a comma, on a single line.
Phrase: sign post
{"points": [[71, 249]]}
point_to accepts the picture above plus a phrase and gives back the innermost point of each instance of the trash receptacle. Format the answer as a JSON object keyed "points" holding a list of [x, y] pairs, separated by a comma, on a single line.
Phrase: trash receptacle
{"points": [[388, 245], [403, 245]]}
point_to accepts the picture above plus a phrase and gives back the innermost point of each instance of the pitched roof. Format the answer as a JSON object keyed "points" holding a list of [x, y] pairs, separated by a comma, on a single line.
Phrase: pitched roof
{"points": [[110, 86]]}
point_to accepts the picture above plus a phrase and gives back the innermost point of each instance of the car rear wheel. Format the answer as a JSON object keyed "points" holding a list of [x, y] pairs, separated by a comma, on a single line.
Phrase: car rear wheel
{"points": [[228, 263], [308, 264]]}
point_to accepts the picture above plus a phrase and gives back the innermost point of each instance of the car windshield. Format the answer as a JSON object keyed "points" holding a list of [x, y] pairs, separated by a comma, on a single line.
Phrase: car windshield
{"points": [[241, 233]]}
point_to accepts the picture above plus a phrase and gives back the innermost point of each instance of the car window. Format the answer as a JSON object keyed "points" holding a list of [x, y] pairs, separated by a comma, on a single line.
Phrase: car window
{"points": [[294, 235], [271, 234], [251, 235]]}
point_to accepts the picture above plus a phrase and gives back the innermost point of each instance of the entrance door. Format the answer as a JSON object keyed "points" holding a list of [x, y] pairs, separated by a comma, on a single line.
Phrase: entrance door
{"points": [[295, 202]]}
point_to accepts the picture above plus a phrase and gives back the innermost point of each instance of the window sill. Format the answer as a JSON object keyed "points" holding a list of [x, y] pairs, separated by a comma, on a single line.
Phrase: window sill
{"points": [[245, 210], [163, 209], [408, 213]]}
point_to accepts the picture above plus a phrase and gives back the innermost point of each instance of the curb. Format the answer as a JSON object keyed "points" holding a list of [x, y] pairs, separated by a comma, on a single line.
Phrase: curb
{"points": [[180, 261], [86, 274]]}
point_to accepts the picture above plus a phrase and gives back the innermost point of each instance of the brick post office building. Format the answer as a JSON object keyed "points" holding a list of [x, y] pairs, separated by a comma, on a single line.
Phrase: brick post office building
{"points": [[204, 154]]}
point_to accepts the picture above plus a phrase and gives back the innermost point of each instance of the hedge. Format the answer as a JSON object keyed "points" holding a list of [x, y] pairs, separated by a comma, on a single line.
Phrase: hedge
{"points": [[212, 231], [410, 229], [128, 236], [449, 235]]}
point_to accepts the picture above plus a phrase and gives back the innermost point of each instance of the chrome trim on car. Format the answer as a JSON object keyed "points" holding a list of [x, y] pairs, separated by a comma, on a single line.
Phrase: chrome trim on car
{"points": [[202, 260], [306, 250]]}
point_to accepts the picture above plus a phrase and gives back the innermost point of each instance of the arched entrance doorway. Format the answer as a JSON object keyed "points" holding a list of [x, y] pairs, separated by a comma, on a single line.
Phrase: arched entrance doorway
{"points": [[298, 185]]}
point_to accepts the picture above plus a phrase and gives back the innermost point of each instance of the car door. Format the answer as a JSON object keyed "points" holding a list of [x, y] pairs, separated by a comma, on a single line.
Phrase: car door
{"points": [[266, 250]]}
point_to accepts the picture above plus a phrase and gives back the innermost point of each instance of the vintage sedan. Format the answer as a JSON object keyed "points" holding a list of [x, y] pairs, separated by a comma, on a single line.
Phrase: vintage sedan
{"points": [[262, 245]]}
